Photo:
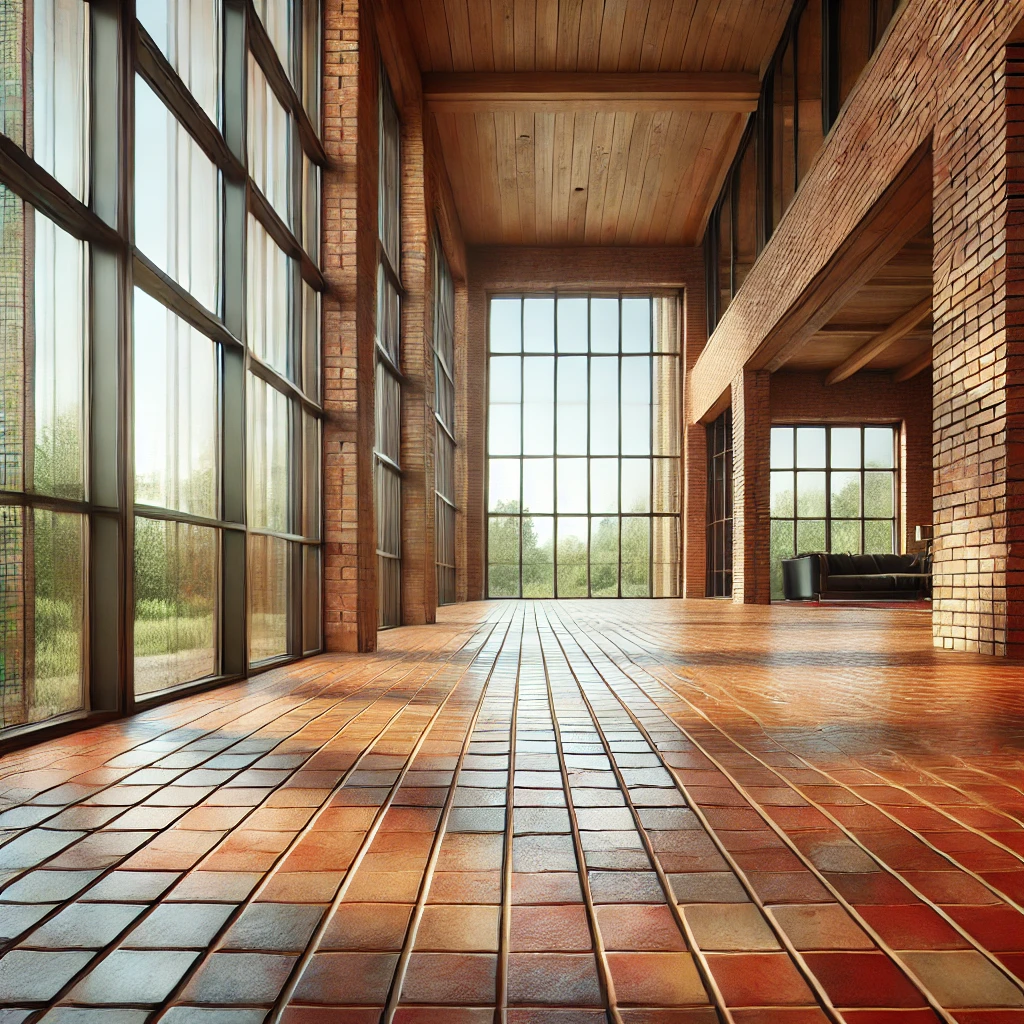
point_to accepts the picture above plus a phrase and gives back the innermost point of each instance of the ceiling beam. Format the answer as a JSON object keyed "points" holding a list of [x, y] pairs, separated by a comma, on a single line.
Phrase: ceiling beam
{"points": [[878, 344], [914, 367], [608, 92]]}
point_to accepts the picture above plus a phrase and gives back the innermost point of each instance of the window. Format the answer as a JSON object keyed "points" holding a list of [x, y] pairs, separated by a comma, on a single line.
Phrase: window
{"points": [[833, 488], [822, 53], [444, 428], [387, 471], [583, 436], [719, 507], [202, 351]]}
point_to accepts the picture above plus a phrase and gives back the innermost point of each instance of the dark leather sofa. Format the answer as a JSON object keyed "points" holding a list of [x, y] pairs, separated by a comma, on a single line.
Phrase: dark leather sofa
{"points": [[885, 577]]}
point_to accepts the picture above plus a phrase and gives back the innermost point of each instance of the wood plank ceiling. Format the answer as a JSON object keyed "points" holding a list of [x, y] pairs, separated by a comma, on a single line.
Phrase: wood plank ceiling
{"points": [[586, 177]]}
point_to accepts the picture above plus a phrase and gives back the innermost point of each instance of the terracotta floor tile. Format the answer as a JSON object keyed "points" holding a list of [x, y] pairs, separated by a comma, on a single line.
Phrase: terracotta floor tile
{"points": [[16, 918], [457, 978], [549, 929], [301, 887], [863, 979], [546, 887], [782, 1015], [84, 925], [759, 979], [368, 926], [458, 928], [963, 979], [347, 978], [465, 887], [708, 887], [239, 978], [918, 927], [133, 976], [30, 976], [724, 926], [1000, 928], [273, 927], [179, 926], [219, 886], [656, 979], [562, 979], [639, 927], [131, 885]]}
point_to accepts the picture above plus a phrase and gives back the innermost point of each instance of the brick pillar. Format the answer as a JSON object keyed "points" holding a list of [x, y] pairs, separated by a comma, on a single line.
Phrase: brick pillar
{"points": [[348, 258], [978, 366], [694, 483], [419, 590], [751, 439]]}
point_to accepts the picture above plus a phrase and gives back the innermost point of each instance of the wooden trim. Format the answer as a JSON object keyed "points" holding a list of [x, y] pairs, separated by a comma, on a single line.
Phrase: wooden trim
{"points": [[914, 367], [576, 92], [895, 332]]}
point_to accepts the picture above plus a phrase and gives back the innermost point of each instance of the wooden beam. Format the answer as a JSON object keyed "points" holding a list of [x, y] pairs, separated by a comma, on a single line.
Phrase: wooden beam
{"points": [[575, 92], [878, 344], [914, 367]]}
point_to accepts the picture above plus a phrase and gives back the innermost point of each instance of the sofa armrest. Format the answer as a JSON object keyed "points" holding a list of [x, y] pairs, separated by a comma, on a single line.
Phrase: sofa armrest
{"points": [[801, 578]]}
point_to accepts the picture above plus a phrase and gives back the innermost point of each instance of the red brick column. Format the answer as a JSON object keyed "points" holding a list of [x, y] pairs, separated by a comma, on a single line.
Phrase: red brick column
{"points": [[349, 225], [978, 375], [751, 440]]}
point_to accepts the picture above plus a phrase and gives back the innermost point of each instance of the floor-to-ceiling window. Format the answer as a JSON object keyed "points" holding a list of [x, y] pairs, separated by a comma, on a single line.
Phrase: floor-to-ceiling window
{"points": [[159, 303], [718, 548], [444, 428], [387, 471], [583, 446], [832, 489]]}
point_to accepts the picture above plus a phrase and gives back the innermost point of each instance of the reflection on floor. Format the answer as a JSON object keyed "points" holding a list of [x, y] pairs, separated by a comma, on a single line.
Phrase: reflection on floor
{"points": [[546, 812]]}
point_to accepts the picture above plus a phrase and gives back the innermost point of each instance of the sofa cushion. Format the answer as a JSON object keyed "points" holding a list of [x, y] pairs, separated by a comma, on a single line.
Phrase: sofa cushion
{"points": [[841, 564], [864, 565], [860, 584], [896, 563]]}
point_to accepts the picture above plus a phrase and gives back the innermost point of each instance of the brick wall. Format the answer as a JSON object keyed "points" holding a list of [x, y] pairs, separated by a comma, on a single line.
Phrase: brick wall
{"points": [[751, 526], [512, 269], [352, 31], [871, 397], [938, 80]]}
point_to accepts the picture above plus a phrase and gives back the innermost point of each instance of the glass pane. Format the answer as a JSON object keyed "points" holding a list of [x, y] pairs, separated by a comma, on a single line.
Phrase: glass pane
{"points": [[845, 536], [636, 485], [666, 324], [538, 556], [782, 494], [810, 536], [539, 406], [506, 325], [269, 432], [188, 34], [268, 597], [604, 325], [538, 485], [879, 497], [636, 554], [572, 406], [58, 542], [604, 406], [781, 547], [879, 447], [175, 603], [177, 200], [388, 325], [503, 485], [878, 537], [269, 142], [504, 428], [387, 413], [665, 556], [572, 325], [810, 447], [267, 290], [506, 385], [311, 599], [311, 208], [503, 556], [636, 325], [276, 16], [572, 557], [636, 405], [782, 448], [311, 73], [310, 476], [44, 109], [667, 411], [310, 341], [845, 495], [572, 485], [175, 371], [604, 485], [43, 291], [539, 325], [845, 448], [810, 494], [666, 486], [604, 557]]}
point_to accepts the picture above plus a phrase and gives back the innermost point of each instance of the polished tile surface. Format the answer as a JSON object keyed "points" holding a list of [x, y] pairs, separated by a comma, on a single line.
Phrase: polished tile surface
{"points": [[539, 813]]}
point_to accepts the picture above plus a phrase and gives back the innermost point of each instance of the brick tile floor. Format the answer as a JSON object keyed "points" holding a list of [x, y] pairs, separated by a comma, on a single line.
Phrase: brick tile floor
{"points": [[539, 813]]}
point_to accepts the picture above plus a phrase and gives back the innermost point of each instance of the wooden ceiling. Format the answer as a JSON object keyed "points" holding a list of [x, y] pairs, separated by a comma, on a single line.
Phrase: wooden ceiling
{"points": [[902, 284], [633, 168]]}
